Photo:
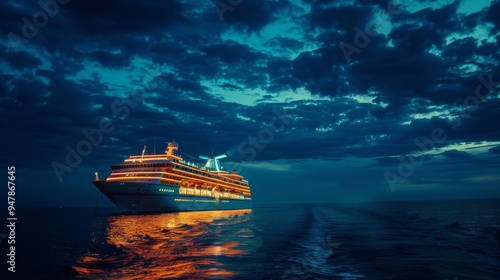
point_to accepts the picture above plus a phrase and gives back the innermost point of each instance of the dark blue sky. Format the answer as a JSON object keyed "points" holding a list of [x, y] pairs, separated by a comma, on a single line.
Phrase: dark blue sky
{"points": [[314, 101]]}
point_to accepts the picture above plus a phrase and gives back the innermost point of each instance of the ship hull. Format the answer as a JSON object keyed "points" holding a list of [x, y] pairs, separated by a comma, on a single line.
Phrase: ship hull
{"points": [[149, 197]]}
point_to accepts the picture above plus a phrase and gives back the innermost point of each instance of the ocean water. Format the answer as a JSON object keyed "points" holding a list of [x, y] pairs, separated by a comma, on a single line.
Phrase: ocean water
{"points": [[384, 240]]}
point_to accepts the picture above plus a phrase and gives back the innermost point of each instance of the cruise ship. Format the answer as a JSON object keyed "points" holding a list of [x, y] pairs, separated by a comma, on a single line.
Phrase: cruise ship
{"points": [[167, 183]]}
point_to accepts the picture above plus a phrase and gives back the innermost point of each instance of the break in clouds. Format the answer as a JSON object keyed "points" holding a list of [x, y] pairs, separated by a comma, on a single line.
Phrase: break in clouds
{"points": [[365, 81]]}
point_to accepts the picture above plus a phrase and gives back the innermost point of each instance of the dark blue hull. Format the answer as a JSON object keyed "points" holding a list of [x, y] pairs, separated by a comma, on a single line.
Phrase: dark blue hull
{"points": [[144, 197]]}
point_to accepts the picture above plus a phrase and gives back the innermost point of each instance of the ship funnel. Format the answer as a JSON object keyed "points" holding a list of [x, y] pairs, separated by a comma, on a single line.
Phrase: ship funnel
{"points": [[213, 162], [221, 156]]}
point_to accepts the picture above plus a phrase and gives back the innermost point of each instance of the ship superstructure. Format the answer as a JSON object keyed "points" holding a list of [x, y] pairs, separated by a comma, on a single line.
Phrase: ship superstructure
{"points": [[167, 183]]}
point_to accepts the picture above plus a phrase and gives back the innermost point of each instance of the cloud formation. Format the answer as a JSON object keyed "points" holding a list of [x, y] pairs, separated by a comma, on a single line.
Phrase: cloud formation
{"points": [[212, 83]]}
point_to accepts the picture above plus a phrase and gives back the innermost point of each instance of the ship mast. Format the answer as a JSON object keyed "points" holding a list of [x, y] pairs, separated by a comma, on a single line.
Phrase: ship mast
{"points": [[170, 150], [143, 151]]}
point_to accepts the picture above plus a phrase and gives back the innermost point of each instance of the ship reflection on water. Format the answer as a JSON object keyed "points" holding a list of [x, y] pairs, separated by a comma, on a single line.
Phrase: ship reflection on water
{"points": [[186, 245]]}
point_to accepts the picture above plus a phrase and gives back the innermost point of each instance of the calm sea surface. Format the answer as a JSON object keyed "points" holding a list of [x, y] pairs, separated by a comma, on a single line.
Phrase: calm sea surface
{"points": [[386, 240]]}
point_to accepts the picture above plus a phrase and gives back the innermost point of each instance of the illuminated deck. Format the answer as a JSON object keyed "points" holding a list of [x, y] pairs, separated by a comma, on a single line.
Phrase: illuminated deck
{"points": [[164, 182]]}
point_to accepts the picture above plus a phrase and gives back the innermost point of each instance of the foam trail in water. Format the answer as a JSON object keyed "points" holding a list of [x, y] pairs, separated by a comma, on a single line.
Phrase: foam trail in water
{"points": [[317, 246]]}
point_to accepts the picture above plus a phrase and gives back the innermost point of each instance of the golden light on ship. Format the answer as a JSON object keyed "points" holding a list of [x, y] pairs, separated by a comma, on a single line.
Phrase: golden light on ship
{"points": [[166, 183]]}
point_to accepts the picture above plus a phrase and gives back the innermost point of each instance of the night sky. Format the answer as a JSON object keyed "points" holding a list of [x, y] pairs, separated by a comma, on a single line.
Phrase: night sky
{"points": [[313, 101]]}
